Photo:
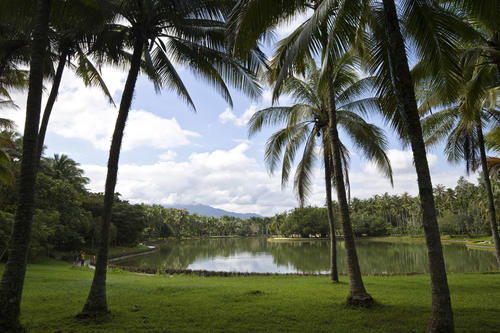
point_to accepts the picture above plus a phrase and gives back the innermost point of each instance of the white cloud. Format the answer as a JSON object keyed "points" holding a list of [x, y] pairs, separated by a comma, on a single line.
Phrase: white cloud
{"points": [[85, 114], [147, 129], [231, 180], [226, 179], [401, 162], [370, 181], [267, 98], [229, 116], [169, 155]]}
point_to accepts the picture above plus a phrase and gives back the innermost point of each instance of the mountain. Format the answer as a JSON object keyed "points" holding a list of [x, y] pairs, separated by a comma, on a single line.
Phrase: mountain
{"points": [[211, 211]]}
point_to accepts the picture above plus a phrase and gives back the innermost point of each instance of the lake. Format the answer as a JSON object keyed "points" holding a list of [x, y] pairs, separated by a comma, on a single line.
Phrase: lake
{"points": [[260, 255]]}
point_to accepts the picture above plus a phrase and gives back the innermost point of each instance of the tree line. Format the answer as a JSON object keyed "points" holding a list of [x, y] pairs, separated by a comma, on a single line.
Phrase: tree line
{"points": [[460, 211], [67, 215], [453, 85]]}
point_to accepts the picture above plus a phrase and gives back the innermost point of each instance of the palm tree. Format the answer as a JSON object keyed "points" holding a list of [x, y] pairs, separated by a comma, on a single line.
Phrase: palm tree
{"points": [[312, 37], [308, 119], [461, 124], [11, 286], [65, 168], [159, 32], [442, 314], [373, 29]]}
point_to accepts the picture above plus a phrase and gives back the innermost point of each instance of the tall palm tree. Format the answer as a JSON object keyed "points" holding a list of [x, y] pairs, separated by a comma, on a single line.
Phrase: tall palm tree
{"points": [[160, 32], [461, 123], [11, 286], [311, 38], [308, 119], [354, 23], [442, 315]]}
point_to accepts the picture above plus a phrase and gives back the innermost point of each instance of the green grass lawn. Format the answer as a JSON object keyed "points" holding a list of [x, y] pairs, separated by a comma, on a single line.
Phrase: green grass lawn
{"points": [[55, 292]]}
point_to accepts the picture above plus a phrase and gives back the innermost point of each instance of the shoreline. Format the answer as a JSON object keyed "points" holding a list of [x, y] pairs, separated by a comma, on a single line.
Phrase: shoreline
{"points": [[469, 242]]}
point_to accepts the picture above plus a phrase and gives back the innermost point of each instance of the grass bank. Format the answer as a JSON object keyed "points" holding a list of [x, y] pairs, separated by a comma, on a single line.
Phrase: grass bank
{"points": [[54, 292], [480, 242], [484, 242]]}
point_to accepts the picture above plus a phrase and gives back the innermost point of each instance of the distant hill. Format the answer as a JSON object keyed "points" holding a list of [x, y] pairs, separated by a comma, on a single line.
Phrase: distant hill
{"points": [[211, 211]]}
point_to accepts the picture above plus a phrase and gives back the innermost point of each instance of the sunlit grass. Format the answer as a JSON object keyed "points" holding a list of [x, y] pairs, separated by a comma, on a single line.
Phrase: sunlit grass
{"points": [[55, 292]]}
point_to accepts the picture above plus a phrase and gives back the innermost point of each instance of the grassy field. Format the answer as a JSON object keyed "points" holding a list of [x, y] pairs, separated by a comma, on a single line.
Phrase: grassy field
{"points": [[54, 292]]}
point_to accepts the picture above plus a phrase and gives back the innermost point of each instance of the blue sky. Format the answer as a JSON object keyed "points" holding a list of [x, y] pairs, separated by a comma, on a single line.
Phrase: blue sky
{"points": [[172, 155]]}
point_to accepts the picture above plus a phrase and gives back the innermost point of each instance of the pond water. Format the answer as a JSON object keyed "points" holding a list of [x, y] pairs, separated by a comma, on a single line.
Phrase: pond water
{"points": [[260, 255]]}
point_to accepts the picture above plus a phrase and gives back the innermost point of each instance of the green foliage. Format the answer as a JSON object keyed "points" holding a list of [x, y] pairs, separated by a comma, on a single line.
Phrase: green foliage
{"points": [[461, 211], [305, 222], [67, 216], [164, 222]]}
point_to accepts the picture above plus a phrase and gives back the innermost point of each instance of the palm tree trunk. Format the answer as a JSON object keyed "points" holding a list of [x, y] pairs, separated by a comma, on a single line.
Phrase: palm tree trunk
{"points": [[357, 292], [442, 315], [334, 275], [489, 192], [96, 301], [11, 287], [50, 102]]}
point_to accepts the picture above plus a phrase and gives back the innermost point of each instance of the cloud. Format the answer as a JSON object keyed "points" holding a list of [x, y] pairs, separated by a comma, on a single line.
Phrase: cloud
{"points": [[229, 116], [85, 114], [169, 155], [267, 98], [401, 162], [370, 181], [227, 179]]}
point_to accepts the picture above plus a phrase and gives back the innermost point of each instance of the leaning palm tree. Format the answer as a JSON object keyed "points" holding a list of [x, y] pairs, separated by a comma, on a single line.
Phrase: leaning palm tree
{"points": [[398, 79], [462, 124], [159, 33], [306, 124], [12, 283]]}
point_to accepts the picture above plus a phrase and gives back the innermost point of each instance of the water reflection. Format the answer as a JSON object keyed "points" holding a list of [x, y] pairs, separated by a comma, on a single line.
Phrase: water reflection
{"points": [[259, 255]]}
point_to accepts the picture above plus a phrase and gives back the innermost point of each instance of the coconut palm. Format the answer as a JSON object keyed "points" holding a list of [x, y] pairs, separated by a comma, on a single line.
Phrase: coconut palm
{"points": [[483, 16], [306, 124], [308, 39], [461, 124], [63, 167], [397, 62], [159, 33], [13, 277], [16, 48], [373, 27]]}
